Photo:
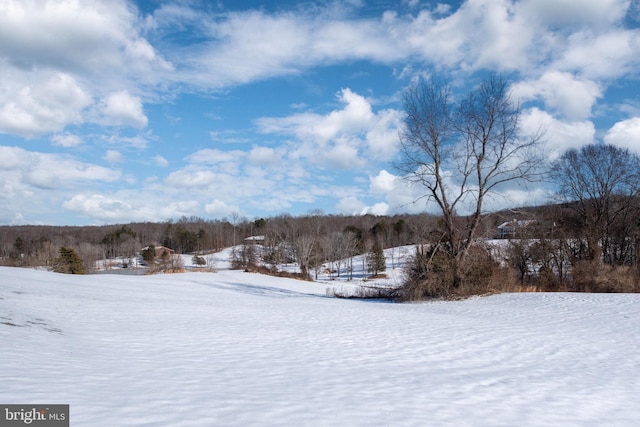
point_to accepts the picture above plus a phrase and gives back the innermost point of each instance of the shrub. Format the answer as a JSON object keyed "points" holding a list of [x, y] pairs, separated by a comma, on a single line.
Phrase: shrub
{"points": [[427, 275], [437, 274], [273, 271], [245, 258], [198, 260], [363, 292], [588, 276], [169, 264]]}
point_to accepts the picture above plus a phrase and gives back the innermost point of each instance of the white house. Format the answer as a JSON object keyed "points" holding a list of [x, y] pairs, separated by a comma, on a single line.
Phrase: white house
{"points": [[513, 228]]}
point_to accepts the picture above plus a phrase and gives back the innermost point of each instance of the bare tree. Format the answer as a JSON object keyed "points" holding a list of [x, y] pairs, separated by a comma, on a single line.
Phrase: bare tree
{"points": [[303, 245], [330, 244], [235, 216], [600, 184], [348, 248], [461, 152]]}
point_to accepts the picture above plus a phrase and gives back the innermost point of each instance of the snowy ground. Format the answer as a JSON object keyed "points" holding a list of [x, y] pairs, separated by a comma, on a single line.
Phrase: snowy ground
{"points": [[241, 349]]}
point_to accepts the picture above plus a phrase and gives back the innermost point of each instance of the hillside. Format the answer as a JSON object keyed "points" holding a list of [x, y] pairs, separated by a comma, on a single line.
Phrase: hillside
{"points": [[241, 349]]}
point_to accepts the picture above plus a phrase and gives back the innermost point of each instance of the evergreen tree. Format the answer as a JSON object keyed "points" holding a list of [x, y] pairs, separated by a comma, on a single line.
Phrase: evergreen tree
{"points": [[149, 254], [375, 260], [68, 262]]}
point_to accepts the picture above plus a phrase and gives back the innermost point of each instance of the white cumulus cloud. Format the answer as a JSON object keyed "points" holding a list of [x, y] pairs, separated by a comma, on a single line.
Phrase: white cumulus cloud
{"points": [[558, 136], [383, 183], [563, 92], [34, 184], [561, 13], [128, 206], [122, 109], [160, 161], [220, 209], [40, 107], [350, 205], [625, 134], [379, 209], [345, 138], [66, 139], [113, 156]]}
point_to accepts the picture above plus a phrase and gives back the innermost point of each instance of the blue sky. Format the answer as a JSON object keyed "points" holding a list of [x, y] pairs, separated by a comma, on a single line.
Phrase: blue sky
{"points": [[115, 111]]}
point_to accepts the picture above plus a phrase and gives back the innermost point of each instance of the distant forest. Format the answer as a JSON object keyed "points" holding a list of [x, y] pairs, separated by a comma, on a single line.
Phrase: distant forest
{"points": [[38, 245]]}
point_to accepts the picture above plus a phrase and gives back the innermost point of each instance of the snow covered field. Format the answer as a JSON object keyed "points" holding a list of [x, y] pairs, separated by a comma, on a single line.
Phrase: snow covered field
{"points": [[240, 349]]}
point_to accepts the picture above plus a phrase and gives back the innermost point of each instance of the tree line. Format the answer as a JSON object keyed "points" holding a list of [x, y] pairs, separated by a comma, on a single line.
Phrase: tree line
{"points": [[307, 236]]}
